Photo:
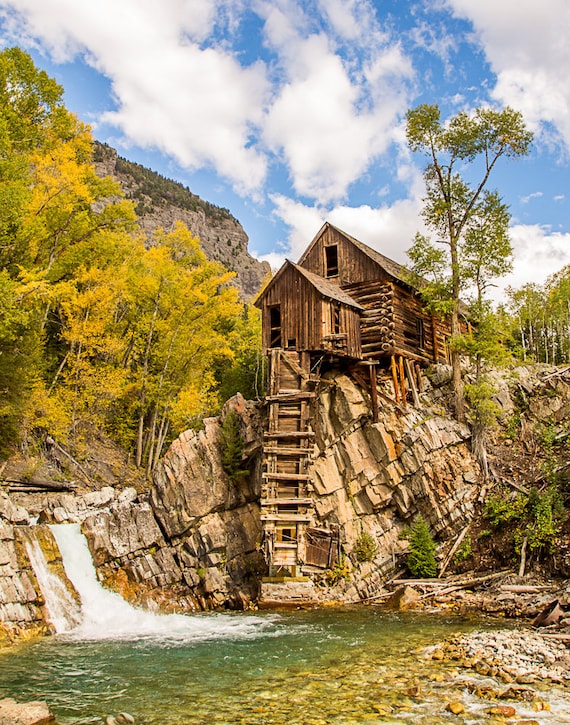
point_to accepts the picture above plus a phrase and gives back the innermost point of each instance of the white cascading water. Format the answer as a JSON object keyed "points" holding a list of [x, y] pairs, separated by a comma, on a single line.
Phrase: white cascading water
{"points": [[62, 610], [106, 615]]}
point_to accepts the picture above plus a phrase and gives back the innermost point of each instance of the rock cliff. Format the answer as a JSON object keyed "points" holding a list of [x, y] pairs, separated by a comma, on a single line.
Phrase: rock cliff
{"points": [[161, 202], [193, 541]]}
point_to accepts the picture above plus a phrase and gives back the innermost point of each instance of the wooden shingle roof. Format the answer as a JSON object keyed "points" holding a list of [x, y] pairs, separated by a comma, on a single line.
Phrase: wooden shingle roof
{"points": [[325, 288]]}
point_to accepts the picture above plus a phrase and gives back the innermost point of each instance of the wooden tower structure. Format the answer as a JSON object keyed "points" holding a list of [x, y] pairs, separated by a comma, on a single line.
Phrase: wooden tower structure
{"points": [[342, 300]]}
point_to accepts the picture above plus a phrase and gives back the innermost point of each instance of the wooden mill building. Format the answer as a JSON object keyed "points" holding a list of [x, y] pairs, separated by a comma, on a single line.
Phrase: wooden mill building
{"points": [[342, 300]]}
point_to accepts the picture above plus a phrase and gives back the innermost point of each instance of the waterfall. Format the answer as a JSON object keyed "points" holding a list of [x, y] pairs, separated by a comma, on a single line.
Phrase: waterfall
{"points": [[62, 610], [106, 615]]}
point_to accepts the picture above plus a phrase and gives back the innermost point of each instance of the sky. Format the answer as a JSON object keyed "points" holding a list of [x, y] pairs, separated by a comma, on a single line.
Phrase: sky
{"points": [[290, 113]]}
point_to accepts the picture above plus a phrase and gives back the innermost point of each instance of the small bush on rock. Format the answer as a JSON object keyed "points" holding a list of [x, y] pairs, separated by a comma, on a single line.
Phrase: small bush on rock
{"points": [[365, 548]]}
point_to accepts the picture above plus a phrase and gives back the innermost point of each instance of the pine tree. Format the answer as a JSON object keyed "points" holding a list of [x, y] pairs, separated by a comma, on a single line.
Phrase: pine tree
{"points": [[421, 559]]}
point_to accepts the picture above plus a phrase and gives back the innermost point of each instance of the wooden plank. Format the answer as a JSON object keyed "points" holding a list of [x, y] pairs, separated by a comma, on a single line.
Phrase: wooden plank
{"points": [[289, 434], [286, 518], [288, 501], [287, 451], [285, 476], [290, 397]]}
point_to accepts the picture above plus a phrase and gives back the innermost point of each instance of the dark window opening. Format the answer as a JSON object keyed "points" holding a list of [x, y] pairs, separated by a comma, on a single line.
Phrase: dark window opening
{"points": [[287, 535], [275, 326], [336, 319], [420, 333], [292, 343], [331, 260]]}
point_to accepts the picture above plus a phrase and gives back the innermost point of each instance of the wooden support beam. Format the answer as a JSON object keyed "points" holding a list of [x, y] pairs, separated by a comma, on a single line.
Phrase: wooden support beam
{"points": [[402, 379], [374, 393], [412, 382], [394, 368]]}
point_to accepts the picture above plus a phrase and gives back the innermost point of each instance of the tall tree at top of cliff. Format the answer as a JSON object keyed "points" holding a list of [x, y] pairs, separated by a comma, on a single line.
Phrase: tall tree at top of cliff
{"points": [[465, 217]]}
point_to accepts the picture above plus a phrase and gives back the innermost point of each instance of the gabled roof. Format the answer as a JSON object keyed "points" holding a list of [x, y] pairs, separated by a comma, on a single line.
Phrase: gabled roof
{"points": [[388, 265], [324, 287]]}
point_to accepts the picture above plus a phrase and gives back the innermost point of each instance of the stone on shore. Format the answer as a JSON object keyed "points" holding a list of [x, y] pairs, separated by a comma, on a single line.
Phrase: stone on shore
{"points": [[25, 713]]}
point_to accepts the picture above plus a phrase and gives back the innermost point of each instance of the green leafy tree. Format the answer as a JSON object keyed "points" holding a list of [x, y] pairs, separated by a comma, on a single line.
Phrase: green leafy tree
{"points": [[244, 370], [541, 314], [462, 215], [93, 326]]}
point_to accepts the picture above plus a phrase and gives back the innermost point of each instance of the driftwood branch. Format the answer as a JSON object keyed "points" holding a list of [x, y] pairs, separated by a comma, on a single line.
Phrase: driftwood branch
{"points": [[465, 584], [452, 551], [526, 588]]}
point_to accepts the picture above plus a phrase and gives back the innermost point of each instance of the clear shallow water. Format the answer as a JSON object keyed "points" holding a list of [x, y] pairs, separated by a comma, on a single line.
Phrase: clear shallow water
{"points": [[317, 667]]}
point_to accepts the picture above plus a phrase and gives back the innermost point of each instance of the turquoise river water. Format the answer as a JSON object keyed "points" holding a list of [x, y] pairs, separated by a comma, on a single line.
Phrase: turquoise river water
{"points": [[328, 666], [318, 667]]}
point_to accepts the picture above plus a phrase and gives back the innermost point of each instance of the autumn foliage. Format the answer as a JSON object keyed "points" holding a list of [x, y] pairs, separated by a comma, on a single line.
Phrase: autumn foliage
{"points": [[95, 325]]}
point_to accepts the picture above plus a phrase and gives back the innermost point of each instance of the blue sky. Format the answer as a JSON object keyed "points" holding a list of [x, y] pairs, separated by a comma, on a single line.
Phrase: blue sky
{"points": [[291, 112]]}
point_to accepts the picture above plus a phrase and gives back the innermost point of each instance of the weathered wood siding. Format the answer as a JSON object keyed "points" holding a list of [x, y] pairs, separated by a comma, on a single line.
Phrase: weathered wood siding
{"points": [[308, 318], [353, 264]]}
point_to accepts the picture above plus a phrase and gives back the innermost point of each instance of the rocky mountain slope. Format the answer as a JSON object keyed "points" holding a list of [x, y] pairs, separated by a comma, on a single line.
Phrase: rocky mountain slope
{"points": [[160, 202]]}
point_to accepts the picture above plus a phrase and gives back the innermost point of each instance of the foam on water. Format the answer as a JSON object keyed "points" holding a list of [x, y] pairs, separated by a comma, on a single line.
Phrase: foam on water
{"points": [[106, 615]]}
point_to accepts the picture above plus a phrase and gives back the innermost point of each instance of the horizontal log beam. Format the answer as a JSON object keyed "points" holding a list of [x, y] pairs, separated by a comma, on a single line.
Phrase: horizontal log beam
{"points": [[289, 434], [286, 476]]}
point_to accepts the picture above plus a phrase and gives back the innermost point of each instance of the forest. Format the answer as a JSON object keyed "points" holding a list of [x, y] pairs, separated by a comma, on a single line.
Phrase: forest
{"points": [[100, 329]]}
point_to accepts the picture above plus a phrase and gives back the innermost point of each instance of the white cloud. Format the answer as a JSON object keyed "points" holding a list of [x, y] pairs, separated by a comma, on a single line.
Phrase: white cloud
{"points": [[529, 197], [526, 43], [332, 115], [538, 253], [324, 101], [196, 104]]}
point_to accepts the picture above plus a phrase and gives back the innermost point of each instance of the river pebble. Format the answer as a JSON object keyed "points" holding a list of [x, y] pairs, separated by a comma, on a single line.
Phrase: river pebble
{"points": [[511, 656]]}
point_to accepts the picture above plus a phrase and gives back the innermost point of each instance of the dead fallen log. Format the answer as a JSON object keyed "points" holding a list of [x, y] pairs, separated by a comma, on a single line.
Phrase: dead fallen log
{"points": [[18, 485], [559, 637], [526, 588], [465, 584]]}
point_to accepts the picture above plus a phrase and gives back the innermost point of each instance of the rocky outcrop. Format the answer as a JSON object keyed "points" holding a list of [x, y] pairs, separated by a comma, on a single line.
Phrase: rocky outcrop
{"points": [[193, 544], [162, 202], [22, 605], [193, 541]]}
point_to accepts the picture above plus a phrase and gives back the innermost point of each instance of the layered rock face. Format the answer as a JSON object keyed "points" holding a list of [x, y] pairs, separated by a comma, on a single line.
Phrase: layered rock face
{"points": [[161, 203], [194, 543], [376, 477], [193, 540], [22, 604]]}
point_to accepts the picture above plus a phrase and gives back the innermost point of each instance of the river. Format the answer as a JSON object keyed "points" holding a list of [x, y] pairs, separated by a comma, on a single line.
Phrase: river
{"points": [[325, 666]]}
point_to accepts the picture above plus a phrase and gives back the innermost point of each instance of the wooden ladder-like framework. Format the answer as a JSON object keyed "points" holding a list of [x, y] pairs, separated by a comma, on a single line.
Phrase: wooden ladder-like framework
{"points": [[286, 502]]}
